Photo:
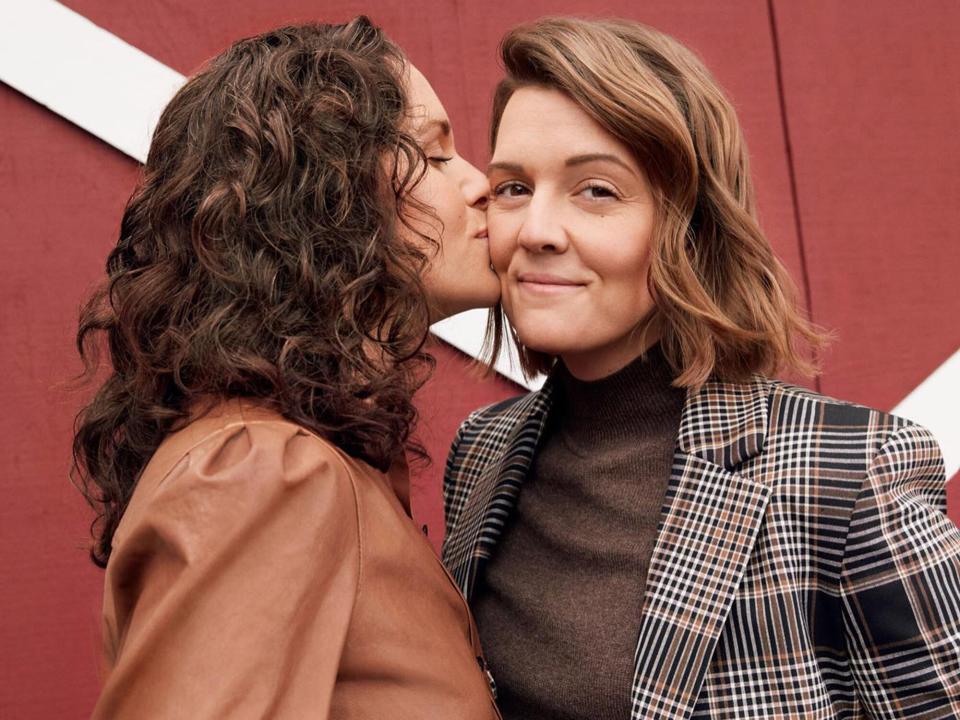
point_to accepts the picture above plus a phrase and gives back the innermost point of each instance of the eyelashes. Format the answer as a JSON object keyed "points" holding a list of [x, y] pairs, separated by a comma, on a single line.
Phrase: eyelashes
{"points": [[602, 190], [592, 191], [502, 188]]}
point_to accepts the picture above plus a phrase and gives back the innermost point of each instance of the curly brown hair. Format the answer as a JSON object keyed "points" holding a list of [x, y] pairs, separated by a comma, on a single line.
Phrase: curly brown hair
{"points": [[261, 256]]}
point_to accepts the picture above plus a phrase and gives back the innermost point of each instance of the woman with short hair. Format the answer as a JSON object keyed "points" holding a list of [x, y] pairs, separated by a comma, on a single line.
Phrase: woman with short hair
{"points": [[265, 313], [663, 531]]}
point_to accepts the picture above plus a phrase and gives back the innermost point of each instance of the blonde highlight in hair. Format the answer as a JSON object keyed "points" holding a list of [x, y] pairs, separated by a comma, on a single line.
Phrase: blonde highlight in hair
{"points": [[725, 306]]}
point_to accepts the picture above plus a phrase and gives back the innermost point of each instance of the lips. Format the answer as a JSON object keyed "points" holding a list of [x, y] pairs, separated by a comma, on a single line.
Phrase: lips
{"points": [[547, 283], [545, 279], [481, 234]]}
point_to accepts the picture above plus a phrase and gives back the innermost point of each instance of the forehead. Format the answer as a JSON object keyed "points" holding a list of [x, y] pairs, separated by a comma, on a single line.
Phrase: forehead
{"points": [[425, 106], [537, 118]]}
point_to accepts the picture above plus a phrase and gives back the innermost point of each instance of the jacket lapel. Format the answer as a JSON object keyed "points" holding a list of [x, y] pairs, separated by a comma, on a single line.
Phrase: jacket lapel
{"points": [[709, 523], [493, 493]]}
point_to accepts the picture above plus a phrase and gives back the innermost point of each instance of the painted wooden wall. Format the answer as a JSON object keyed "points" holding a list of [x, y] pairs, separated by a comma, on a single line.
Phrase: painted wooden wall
{"points": [[850, 110]]}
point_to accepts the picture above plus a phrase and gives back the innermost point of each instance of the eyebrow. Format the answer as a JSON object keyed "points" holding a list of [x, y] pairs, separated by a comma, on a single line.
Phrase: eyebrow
{"points": [[442, 125], [506, 166], [570, 162], [596, 157]]}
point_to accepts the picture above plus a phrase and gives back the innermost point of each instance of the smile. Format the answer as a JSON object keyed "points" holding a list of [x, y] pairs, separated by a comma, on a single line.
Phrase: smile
{"points": [[543, 284]]}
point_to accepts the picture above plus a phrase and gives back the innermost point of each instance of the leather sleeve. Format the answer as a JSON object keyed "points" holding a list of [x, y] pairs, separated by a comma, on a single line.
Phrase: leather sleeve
{"points": [[232, 582], [900, 584]]}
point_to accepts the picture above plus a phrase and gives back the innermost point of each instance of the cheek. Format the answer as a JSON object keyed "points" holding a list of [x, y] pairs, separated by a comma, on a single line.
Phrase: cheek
{"points": [[452, 210], [624, 267], [502, 239], [443, 198]]}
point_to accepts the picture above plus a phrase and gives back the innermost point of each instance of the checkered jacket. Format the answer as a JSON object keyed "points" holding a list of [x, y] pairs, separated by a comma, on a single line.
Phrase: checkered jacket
{"points": [[804, 566]]}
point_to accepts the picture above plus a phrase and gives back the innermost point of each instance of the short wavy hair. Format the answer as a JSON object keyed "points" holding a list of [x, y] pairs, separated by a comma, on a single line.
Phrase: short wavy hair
{"points": [[725, 306], [262, 256]]}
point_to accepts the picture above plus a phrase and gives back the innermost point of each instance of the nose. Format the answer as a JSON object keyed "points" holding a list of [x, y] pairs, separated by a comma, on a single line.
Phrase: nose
{"points": [[541, 230], [475, 187]]}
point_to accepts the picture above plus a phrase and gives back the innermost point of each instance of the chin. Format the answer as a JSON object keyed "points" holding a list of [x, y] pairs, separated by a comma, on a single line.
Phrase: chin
{"points": [[546, 332], [542, 340]]}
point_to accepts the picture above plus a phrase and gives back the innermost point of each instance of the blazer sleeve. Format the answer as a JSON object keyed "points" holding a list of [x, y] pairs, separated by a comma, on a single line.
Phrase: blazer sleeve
{"points": [[231, 591], [900, 584]]}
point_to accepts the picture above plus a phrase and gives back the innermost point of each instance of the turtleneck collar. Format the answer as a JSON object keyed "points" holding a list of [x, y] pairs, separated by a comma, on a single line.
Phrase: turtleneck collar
{"points": [[638, 398]]}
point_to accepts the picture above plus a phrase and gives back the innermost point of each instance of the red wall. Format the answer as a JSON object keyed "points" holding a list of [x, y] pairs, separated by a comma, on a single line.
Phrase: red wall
{"points": [[850, 112]]}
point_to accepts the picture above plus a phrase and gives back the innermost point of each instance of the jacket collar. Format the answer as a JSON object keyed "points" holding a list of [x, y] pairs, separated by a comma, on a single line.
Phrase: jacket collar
{"points": [[725, 423]]}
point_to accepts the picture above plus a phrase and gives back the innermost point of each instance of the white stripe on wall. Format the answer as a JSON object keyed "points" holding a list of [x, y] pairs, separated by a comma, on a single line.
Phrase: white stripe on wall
{"points": [[935, 404], [84, 73]]}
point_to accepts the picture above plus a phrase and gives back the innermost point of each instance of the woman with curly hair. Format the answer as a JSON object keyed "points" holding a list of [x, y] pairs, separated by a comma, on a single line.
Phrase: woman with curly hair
{"points": [[302, 218], [663, 531]]}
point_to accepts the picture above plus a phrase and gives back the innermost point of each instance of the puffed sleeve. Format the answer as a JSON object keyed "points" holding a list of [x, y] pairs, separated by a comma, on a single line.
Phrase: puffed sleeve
{"points": [[230, 591], [900, 584]]}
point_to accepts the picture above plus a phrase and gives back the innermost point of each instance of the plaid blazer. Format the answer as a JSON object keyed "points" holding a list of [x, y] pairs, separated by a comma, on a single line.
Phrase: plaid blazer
{"points": [[804, 565]]}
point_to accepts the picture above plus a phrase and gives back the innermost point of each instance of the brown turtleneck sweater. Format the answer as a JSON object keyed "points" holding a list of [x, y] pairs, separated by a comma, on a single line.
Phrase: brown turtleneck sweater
{"points": [[559, 605]]}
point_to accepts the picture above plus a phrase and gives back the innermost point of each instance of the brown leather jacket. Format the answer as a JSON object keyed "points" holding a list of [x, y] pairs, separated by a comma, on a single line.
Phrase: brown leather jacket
{"points": [[261, 572]]}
